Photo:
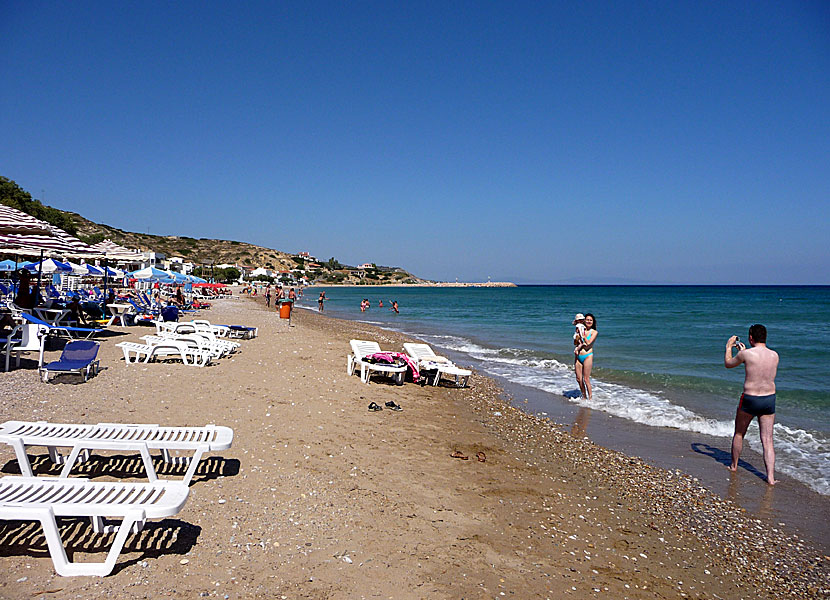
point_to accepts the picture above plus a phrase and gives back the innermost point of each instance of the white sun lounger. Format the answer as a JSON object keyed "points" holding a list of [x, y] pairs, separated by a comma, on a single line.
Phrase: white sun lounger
{"points": [[360, 350], [191, 328], [169, 348], [195, 325], [427, 360], [193, 340], [114, 436], [44, 498]]}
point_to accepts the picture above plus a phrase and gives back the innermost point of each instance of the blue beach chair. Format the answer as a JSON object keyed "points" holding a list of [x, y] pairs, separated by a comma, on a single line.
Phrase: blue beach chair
{"points": [[170, 313], [78, 356]]}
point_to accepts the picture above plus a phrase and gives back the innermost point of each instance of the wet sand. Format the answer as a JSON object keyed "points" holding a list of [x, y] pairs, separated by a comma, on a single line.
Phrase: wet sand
{"points": [[789, 504], [320, 498]]}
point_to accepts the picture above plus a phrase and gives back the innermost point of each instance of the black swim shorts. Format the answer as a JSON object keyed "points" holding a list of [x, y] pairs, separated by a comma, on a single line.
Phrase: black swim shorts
{"points": [[757, 405]]}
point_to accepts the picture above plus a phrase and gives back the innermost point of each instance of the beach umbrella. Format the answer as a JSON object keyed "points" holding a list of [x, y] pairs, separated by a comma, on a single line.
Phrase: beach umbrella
{"points": [[94, 271], [179, 277], [8, 265], [152, 274], [78, 269], [116, 252], [49, 266], [23, 234]]}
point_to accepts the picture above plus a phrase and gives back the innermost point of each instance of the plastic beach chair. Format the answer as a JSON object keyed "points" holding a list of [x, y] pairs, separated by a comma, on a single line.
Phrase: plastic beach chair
{"points": [[167, 349], [241, 331], [44, 499], [360, 350], [78, 356], [85, 332], [170, 313], [32, 339], [427, 360], [193, 340], [166, 328], [114, 436]]}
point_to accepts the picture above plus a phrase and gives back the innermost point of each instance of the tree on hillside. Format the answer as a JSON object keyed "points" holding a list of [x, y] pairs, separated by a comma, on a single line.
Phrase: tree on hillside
{"points": [[15, 196], [333, 264]]}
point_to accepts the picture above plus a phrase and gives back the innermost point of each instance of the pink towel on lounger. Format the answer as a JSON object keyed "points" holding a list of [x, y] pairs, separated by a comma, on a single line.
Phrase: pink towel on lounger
{"points": [[390, 358]]}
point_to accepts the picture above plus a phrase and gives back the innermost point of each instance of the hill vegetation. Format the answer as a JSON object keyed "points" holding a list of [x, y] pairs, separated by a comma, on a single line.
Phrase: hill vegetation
{"points": [[202, 251]]}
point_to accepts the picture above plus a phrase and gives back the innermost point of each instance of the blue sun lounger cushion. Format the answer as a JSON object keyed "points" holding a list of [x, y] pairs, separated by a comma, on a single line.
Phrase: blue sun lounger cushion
{"points": [[78, 356]]}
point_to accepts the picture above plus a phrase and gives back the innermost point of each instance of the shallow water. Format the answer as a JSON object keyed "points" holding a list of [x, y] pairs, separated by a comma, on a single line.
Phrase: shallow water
{"points": [[658, 358]]}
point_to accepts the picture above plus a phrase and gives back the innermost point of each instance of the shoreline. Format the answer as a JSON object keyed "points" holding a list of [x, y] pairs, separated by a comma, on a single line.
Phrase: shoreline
{"points": [[314, 479], [456, 284], [697, 455]]}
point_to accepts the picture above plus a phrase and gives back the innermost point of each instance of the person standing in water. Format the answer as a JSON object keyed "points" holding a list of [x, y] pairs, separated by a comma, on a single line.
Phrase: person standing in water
{"points": [[320, 301], [758, 398], [584, 360]]}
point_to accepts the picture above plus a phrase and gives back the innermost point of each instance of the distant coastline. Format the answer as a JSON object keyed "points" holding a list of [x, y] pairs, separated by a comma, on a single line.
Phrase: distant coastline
{"points": [[457, 284]]}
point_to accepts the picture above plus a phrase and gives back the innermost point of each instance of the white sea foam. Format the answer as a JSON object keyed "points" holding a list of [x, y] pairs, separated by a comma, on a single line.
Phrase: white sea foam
{"points": [[803, 455]]}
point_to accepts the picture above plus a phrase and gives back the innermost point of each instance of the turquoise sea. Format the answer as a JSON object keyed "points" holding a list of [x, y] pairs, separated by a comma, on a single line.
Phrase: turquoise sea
{"points": [[658, 357]]}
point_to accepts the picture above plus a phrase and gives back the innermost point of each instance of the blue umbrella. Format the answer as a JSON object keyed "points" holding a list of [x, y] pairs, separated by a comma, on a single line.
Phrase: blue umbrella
{"points": [[152, 274], [49, 265], [8, 265]]}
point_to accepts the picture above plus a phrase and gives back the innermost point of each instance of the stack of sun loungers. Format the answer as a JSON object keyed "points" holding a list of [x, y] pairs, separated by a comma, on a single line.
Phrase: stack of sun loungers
{"points": [[46, 499], [195, 343]]}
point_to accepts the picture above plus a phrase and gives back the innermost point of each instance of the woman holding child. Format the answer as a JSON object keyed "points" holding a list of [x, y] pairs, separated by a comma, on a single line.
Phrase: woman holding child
{"points": [[584, 354]]}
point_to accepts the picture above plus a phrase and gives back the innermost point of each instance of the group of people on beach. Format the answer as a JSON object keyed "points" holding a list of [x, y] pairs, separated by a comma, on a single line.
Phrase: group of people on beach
{"points": [[279, 295], [757, 399]]}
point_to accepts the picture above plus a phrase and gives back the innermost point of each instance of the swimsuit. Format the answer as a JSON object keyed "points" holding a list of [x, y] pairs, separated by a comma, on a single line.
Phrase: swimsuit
{"points": [[581, 357], [757, 405]]}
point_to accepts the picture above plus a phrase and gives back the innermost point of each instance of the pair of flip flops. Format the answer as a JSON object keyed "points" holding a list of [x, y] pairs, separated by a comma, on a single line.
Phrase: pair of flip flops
{"points": [[374, 406], [480, 456]]}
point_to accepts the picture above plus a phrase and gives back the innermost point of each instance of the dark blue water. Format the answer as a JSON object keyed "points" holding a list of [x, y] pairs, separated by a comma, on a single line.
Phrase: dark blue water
{"points": [[659, 354]]}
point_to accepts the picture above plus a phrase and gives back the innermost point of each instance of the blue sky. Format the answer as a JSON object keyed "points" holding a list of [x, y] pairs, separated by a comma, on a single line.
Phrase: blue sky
{"points": [[681, 142]]}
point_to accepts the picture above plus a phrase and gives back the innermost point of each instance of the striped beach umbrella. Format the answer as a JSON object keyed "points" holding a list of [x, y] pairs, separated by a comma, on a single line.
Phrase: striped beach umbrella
{"points": [[116, 252], [23, 234]]}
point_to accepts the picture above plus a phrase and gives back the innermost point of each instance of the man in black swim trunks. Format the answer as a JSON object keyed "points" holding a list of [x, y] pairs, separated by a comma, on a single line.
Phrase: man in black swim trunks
{"points": [[758, 399]]}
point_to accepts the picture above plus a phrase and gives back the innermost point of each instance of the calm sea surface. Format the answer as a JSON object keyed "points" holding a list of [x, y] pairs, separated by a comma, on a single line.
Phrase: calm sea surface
{"points": [[658, 359]]}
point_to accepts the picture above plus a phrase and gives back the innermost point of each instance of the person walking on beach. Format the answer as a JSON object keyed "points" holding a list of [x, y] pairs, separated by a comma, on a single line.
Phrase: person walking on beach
{"points": [[584, 360], [758, 398], [268, 296]]}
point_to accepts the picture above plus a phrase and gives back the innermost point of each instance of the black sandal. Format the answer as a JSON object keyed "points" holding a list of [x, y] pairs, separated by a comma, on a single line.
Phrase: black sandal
{"points": [[374, 407], [392, 406]]}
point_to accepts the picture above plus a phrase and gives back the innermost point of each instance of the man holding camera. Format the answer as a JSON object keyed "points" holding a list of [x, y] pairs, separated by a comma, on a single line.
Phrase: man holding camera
{"points": [[758, 399]]}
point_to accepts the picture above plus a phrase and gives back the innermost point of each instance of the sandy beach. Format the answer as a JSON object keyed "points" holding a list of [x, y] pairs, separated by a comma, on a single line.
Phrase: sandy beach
{"points": [[319, 498]]}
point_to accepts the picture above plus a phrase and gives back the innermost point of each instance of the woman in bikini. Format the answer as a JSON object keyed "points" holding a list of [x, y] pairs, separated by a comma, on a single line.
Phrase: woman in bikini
{"points": [[585, 356]]}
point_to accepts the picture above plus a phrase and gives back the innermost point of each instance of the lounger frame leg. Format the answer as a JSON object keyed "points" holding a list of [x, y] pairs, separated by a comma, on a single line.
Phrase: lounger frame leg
{"points": [[46, 516], [22, 457], [192, 461], [80, 448]]}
